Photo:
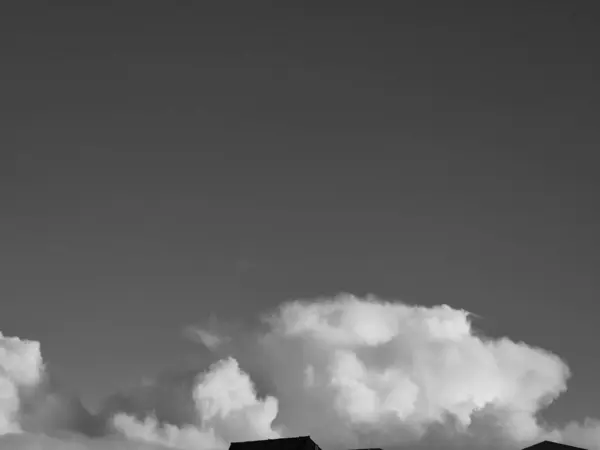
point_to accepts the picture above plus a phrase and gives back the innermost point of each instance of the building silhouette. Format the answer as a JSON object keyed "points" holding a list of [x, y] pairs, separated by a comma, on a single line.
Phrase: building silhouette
{"points": [[549, 445], [306, 443], [294, 443]]}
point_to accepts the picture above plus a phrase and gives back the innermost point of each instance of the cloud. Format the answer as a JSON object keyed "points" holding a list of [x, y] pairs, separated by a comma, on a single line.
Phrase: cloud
{"points": [[354, 372], [21, 368], [207, 338], [227, 410], [213, 333], [586, 434], [351, 372], [168, 398], [32, 406], [37, 415]]}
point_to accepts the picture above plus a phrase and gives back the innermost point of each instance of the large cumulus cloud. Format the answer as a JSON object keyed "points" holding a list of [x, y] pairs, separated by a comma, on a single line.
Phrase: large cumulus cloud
{"points": [[348, 371], [361, 371]]}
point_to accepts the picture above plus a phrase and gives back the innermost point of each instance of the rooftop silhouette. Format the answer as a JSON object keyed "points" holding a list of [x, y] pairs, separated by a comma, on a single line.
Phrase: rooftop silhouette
{"points": [[306, 443], [293, 443], [549, 445]]}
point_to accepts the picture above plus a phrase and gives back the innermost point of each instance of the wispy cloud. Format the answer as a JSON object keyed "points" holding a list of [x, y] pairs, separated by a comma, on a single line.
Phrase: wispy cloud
{"points": [[209, 339]]}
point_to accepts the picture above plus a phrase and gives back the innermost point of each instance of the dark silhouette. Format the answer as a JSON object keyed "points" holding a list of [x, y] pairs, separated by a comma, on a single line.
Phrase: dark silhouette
{"points": [[295, 443], [549, 445], [306, 443]]}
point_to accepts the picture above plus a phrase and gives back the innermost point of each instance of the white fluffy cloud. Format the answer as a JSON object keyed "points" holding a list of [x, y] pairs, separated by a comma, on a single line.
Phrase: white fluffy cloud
{"points": [[227, 410], [348, 371], [20, 368], [355, 372]]}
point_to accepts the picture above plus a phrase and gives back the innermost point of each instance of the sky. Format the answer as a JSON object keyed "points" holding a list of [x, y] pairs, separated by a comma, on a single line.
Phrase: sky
{"points": [[168, 165]]}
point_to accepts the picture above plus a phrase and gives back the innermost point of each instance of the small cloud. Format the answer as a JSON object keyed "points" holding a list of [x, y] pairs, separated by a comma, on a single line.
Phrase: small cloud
{"points": [[210, 340]]}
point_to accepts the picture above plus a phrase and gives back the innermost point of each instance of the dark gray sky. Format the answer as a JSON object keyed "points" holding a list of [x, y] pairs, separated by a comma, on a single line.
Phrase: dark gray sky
{"points": [[164, 161]]}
